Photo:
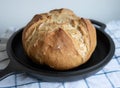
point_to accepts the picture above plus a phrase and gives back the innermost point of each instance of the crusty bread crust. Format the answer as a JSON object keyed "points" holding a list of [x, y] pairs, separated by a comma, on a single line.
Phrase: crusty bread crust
{"points": [[59, 39]]}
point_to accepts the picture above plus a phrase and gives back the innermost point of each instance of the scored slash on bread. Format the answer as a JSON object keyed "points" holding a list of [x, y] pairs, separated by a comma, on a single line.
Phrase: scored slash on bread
{"points": [[59, 39]]}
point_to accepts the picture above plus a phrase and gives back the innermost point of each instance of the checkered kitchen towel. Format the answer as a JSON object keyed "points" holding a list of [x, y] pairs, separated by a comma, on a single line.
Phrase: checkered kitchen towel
{"points": [[108, 77]]}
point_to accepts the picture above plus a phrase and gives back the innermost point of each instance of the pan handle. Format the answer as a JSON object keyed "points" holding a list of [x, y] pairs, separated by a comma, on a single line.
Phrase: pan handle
{"points": [[13, 68], [9, 70], [98, 24]]}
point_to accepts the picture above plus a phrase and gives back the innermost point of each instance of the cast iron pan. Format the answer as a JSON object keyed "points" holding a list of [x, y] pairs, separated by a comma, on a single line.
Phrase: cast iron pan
{"points": [[20, 63]]}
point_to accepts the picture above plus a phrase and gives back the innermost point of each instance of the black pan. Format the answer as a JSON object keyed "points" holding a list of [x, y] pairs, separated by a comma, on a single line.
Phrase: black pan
{"points": [[20, 63]]}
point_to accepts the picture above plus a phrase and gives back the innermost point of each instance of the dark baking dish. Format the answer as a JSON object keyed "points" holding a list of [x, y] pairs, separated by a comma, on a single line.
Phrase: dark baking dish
{"points": [[20, 63]]}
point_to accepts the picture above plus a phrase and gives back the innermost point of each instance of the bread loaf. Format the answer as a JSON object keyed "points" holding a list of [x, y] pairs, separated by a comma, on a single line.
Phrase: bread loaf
{"points": [[59, 39]]}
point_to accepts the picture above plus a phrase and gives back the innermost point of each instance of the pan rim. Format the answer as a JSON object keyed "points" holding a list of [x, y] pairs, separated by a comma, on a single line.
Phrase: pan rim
{"points": [[65, 73]]}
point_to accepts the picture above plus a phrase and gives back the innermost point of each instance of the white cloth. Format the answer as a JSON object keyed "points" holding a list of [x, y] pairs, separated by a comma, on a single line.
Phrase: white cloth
{"points": [[108, 77]]}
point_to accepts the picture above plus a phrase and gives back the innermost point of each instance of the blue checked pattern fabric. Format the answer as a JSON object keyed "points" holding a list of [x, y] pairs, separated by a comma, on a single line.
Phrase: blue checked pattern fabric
{"points": [[108, 77]]}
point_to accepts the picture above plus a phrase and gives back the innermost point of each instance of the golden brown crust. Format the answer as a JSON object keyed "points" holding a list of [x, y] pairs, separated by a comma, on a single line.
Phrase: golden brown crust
{"points": [[59, 39]]}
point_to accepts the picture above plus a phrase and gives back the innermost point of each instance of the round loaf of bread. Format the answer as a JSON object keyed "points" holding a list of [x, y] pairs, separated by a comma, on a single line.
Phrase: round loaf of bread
{"points": [[59, 39]]}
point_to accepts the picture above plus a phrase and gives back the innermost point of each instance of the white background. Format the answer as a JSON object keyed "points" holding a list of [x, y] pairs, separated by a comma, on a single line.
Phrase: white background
{"points": [[17, 13]]}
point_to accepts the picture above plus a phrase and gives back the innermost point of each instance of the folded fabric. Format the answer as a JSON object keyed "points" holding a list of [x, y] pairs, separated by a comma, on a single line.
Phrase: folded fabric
{"points": [[108, 77]]}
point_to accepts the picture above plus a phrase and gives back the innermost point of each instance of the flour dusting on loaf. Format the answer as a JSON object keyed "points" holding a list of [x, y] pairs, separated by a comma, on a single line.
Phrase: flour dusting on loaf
{"points": [[59, 39]]}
